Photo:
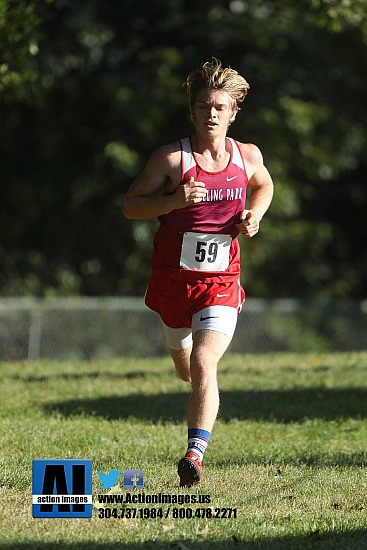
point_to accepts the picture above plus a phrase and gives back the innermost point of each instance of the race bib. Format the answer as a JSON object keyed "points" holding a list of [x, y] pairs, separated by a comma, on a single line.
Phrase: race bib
{"points": [[205, 251]]}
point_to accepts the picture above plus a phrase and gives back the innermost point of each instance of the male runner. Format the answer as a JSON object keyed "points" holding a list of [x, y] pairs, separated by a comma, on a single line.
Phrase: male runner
{"points": [[197, 188]]}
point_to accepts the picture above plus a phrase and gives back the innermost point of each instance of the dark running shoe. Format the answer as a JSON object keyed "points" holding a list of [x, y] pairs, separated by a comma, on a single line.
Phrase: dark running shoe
{"points": [[189, 470]]}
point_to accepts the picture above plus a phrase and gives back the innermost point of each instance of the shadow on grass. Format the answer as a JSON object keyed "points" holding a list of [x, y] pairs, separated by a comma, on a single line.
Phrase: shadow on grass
{"points": [[351, 540], [284, 406], [94, 375]]}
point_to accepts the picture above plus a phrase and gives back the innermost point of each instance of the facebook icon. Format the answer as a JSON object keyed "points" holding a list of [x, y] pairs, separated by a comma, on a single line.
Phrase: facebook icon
{"points": [[133, 479]]}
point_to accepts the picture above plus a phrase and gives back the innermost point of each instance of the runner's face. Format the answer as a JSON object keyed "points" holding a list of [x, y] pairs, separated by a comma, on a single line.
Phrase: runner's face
{"points": [[213, 111]]}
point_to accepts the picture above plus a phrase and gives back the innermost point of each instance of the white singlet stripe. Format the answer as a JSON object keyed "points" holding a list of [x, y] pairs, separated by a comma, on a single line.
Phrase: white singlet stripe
{"points": [[188, 160]]}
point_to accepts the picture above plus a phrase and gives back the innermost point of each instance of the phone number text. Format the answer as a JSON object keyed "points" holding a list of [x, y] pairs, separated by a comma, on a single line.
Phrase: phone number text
{"points": [[174, 513]]}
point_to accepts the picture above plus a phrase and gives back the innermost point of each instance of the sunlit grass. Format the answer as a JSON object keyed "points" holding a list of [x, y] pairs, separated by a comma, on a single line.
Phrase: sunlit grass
{"points": [[288, 450]]}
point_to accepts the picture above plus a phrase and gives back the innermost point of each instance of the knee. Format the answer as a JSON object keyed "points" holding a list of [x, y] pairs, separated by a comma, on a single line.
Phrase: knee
{"points": [[183, 370], [184, 375], [202, 368], [181, 359]]}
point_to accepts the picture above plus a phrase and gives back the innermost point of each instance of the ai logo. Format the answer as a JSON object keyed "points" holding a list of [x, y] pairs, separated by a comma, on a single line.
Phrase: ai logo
{"points": [[62, 488]]}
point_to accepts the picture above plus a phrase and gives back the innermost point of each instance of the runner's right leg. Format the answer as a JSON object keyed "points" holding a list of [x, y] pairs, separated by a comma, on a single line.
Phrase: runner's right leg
{"points": [[179, 342], [181, 359]]}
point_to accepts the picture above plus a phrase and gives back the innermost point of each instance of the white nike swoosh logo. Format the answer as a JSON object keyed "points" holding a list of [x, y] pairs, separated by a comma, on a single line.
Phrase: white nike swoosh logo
{"points": [[222, 295], [230, 179]]}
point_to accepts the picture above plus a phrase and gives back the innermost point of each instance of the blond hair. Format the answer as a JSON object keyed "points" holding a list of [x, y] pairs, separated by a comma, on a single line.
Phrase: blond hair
{"points": [[211, 75]]}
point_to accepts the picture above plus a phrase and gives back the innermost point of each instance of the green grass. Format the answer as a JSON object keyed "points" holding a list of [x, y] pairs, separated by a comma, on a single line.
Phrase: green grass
{"points": [[289, 450]]}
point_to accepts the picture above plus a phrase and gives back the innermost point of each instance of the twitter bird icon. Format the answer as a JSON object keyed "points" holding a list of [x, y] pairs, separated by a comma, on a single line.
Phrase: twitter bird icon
{"points": [[108, 480]]}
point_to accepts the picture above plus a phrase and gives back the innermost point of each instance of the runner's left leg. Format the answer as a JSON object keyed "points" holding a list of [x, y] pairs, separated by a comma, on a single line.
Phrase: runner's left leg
{"points": [[208, 348]]}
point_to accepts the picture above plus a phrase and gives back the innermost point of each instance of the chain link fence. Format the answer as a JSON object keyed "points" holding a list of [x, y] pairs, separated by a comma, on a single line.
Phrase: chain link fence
{"points": [[100, 328]]}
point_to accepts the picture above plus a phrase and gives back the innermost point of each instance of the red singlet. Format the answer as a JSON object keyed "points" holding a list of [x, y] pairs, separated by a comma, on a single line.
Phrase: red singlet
{"points": [[196, 258], [199, 242]]}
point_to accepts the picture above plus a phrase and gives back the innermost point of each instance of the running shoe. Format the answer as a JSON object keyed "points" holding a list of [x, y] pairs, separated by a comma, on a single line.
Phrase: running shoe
{"points": [[189, 470]]}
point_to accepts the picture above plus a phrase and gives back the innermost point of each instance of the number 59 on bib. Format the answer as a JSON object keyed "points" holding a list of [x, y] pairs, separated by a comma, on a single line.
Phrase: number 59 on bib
{"points": [[205, 251]]}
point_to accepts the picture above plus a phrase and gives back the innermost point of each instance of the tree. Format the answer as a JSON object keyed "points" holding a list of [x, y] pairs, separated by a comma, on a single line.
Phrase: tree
{"points": [[90, 89]]}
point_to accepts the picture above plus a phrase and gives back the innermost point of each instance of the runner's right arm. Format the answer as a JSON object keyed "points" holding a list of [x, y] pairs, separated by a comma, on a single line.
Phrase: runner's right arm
{"points": [[162, 173]]}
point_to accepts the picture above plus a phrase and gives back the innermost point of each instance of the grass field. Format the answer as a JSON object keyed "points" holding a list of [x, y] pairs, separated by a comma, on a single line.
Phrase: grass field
{"points": [[288, 451]]}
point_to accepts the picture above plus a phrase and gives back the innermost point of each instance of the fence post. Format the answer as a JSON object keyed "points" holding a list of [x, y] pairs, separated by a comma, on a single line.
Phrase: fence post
{"points": [[35, 334]]}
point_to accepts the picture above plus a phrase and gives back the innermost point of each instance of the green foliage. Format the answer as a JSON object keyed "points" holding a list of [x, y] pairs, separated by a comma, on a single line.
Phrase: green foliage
{"points": [[89, 89], [19, 39], [339, 14]]}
